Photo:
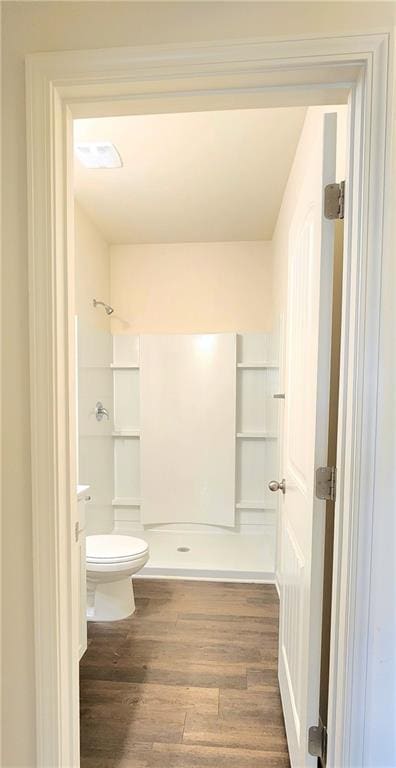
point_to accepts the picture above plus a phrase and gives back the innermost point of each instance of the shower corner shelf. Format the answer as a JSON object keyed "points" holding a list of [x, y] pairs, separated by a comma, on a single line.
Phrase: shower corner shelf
{"points": [[257, 435], [126, 433], [257, 365], [125, 501]]}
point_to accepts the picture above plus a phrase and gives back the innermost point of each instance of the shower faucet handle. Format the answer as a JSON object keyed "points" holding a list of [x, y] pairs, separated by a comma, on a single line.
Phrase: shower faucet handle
{"points": [[101, 412]]}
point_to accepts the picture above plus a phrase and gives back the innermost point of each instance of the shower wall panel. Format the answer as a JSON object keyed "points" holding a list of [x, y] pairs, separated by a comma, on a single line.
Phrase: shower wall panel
{"points": [[188, 419], [95, 442]]}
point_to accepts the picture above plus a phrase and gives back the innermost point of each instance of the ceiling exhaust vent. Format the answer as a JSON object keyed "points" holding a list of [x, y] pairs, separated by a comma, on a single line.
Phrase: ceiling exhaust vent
{"points": [[98, 154]]}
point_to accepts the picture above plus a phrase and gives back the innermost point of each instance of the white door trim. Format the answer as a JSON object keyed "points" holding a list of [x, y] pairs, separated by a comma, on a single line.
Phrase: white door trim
{"points": [[174, 78]]}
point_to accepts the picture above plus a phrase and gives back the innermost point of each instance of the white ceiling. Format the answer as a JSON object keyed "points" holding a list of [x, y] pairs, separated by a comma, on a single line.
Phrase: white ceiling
{"points": [[190, 177]]}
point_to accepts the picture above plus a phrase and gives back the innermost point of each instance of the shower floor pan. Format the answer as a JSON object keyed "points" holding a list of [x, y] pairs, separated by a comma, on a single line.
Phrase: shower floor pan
{"points": [[226, 556]]}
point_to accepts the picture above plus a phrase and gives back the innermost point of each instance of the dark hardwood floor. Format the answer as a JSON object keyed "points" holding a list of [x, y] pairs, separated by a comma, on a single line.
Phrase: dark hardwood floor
{"points": [[189, 681]]}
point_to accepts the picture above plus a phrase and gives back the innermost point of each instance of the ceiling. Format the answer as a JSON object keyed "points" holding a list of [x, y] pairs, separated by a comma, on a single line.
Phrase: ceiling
{"points": [[190, 177]]}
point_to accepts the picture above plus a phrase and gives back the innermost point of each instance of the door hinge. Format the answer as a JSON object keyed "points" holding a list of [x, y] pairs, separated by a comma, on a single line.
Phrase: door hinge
{"points": [[334, 201], [325, 483], [317, 741]]}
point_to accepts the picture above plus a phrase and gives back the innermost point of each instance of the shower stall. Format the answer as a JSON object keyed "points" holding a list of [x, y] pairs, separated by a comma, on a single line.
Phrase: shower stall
{"points": [[178, 440]]}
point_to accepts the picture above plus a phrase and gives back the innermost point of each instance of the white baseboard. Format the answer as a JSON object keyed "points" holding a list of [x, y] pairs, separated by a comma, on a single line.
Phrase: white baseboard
{"points": [[203, 574]]}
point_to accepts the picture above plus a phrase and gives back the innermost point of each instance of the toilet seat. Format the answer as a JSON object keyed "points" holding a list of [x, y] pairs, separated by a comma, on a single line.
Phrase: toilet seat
{"points": [[112, 549]]}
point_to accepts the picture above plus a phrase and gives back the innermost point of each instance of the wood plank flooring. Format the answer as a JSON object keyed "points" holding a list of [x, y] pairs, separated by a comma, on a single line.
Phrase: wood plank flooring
{"points": [[189, 681]]}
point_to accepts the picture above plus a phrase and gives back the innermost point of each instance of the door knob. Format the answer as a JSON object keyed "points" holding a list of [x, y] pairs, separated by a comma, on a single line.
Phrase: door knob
{"points": [[101, 412], [273, 485]]}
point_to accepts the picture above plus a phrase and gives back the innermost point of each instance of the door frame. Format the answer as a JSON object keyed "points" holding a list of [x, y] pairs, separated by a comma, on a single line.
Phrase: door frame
{"points": [[216, 75]]}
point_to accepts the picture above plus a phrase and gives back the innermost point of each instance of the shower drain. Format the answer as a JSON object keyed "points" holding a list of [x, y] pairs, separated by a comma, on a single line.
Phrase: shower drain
{"points": [[183, 549]]}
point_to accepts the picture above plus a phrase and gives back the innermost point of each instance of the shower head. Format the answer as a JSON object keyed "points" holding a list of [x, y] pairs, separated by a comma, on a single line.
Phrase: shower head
{"points": [[108, 309]]}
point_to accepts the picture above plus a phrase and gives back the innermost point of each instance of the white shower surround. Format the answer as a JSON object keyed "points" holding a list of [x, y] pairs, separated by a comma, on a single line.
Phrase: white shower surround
{"points": [[247, 549], [95, 447], [110, 460]]}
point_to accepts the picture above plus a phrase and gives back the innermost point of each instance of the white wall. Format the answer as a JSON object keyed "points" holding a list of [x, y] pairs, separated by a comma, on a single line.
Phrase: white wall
{"points": [[192, 287], [41, 26]]}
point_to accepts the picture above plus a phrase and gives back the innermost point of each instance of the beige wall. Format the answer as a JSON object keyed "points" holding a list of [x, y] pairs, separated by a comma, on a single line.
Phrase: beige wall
{"points": [[92, 271], [42, 26], [192, 287]]}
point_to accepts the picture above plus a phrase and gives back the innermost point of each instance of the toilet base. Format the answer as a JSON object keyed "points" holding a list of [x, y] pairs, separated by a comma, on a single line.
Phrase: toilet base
{"points": [[111, 601]]}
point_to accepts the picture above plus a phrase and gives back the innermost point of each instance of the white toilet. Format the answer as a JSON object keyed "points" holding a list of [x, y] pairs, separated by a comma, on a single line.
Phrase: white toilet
{"points": [[111, 561]]}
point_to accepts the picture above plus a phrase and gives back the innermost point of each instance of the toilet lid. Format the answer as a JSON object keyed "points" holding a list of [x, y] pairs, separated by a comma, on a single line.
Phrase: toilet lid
{"points": [[113, 549]]}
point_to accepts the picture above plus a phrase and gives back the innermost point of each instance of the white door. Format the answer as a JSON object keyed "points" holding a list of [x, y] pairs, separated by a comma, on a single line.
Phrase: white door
{"points": [[307, 379]]}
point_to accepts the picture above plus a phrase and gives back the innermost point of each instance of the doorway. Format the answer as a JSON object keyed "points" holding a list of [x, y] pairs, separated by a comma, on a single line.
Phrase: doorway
{"points": [[184, 362], [183, 237], [67, 742]]}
